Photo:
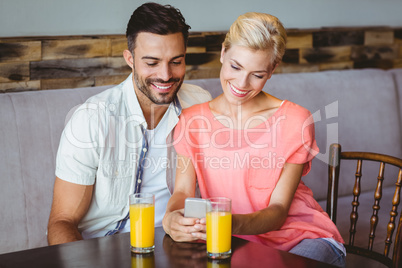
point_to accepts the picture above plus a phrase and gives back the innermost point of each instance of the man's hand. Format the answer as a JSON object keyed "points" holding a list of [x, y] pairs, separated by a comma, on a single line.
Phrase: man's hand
{"points": [[183, 229]]}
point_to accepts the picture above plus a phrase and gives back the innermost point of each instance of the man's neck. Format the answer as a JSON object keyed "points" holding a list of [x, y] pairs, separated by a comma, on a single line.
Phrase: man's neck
{"points": [[153, 113]]}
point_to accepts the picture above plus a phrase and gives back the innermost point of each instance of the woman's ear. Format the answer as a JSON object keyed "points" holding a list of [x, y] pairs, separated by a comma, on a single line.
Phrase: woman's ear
{"points": [[222, 53], [128, 57], [273, 70]]}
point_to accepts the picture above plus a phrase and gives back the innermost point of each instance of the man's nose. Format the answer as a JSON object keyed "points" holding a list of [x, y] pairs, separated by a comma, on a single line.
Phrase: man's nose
{"points": [[165, 72]]}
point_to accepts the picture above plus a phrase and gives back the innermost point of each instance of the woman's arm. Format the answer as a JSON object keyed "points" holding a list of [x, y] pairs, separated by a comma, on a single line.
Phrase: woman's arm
{"points": [[174, 223], [272, 217]]}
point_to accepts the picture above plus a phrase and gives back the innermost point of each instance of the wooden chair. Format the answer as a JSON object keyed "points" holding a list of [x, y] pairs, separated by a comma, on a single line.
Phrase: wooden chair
{"points": [[336, 155]]}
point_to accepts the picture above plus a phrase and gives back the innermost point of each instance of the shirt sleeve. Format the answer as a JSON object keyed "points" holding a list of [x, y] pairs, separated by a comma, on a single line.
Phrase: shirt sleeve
{"points": [[77, 156], [179, 136], [305, 147]]}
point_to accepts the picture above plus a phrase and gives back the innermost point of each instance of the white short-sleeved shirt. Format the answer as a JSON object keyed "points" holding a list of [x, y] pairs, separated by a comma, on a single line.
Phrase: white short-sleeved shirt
{"points": [[101, 145]]}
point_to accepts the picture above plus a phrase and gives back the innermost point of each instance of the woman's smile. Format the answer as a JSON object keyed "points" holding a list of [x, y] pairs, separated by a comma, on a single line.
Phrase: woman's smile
{"points": [[237, 92]]}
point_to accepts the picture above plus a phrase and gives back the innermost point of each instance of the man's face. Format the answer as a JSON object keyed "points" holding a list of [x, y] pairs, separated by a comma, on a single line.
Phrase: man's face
{"points": [[158, 67]]}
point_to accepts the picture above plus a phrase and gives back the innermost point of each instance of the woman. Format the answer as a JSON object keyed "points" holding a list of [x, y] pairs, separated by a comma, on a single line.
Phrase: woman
{"points": [[253, 148]]}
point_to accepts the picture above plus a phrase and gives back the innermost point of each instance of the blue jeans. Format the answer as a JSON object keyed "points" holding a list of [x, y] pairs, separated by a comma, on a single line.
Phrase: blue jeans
{"points": [[320, 250]]}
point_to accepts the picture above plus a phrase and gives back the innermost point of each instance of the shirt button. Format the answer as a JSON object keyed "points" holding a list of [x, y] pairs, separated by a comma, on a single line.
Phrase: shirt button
{"points": [[116, 173], [139, 180], [144, 150]]}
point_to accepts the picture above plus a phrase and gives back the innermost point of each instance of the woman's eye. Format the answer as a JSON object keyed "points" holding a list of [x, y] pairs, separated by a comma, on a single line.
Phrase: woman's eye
{"points": [[235, 67], [259, 76]]}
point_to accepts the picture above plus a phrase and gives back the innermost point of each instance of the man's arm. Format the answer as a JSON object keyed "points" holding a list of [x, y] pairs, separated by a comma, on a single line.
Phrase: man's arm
{"points": [[70, 203]]}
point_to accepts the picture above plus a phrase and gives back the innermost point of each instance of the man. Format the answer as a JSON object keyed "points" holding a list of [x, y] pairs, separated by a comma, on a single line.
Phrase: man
{"points": [[119, 141]]}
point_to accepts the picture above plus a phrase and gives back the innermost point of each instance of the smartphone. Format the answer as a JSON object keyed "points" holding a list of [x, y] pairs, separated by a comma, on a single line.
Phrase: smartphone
{"points": [[195, 208]]}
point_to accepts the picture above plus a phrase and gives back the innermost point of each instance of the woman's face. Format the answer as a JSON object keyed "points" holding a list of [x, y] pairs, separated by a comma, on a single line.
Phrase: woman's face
{"points": [[244, 73]]}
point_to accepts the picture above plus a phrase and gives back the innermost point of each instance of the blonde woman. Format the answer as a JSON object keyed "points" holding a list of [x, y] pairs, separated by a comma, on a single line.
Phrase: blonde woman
{"points": [[254, 148]]}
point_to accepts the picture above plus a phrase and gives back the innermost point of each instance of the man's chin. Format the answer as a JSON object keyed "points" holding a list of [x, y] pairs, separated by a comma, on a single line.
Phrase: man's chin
{"points": [[166, 100], [161, 103]]}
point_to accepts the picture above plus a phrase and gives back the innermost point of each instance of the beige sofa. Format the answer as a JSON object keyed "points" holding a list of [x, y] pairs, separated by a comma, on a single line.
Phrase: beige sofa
{"points": [[361, 109]]}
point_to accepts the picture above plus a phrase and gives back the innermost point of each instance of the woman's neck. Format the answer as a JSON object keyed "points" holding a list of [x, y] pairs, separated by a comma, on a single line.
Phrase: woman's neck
{"points": [[244, 115]]}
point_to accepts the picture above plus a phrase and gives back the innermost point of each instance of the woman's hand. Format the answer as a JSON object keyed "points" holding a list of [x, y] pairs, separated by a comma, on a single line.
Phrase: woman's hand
{"points": [[182, 229], [174, 223]]}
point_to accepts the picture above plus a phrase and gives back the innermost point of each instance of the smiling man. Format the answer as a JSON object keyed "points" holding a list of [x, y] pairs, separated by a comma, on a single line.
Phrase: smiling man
{"points": [[119, 142]]}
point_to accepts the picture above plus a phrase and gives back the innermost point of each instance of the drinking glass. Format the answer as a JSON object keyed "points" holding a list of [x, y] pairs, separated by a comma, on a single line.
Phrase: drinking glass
{"points": [[142, 222], [219, 227]]}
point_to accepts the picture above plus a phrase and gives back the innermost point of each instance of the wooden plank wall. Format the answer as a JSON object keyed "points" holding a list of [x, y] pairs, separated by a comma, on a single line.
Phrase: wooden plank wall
{"points": [[38, 63]]}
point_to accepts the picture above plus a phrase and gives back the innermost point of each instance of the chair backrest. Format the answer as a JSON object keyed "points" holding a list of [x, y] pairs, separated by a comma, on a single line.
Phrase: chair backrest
{"points": [[335, 158]]}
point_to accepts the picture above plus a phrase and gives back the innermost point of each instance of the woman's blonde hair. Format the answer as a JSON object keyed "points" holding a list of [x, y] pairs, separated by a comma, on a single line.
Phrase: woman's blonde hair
{"points": [[258, 31]]}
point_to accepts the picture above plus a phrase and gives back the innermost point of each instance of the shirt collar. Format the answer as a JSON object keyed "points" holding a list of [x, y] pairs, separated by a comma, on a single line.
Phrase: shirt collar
{"points": [[177, 106]]}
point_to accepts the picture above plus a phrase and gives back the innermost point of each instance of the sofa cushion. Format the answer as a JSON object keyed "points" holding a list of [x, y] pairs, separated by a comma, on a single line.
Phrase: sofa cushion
{"points": [[397, 74], [31, 125]]}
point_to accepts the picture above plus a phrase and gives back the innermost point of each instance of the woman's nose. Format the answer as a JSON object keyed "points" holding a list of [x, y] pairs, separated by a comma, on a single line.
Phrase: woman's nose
{"points": [[243, 81]]}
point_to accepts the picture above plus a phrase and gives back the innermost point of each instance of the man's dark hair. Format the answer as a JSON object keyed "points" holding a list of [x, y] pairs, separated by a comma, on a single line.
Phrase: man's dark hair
{"points": [[157, 19]]}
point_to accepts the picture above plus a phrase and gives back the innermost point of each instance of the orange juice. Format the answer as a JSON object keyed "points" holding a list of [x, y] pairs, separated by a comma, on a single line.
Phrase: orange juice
{"points": [[219, 231], [142, 225]]}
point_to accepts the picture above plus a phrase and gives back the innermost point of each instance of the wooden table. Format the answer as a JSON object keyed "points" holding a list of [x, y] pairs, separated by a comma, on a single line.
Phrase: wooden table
{"points": [[114, 251]]}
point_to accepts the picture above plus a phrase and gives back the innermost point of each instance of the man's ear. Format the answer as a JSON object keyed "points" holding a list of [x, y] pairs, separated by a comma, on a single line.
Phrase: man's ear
{"points": [[128, 57]]}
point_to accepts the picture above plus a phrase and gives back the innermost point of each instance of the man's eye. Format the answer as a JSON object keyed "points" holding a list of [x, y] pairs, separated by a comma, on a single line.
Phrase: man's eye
{"points": [[176, 62], [151, 63]]}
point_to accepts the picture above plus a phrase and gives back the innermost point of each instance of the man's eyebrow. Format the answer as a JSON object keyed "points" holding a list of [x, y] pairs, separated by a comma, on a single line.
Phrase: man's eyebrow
{"points": [[155, 58], [179, 56], [150, 58]]}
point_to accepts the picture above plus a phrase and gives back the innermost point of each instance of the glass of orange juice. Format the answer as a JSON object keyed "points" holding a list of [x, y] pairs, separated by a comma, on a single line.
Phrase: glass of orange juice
{"points": [[219, 227], [142, 230]]}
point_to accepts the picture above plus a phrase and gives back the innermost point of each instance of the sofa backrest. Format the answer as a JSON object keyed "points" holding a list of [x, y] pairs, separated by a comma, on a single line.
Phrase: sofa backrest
{"points": [[397, 74], [30, 127]]}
